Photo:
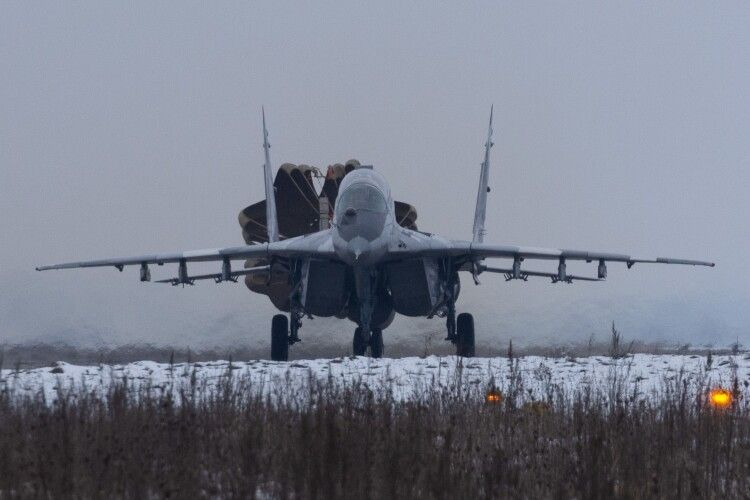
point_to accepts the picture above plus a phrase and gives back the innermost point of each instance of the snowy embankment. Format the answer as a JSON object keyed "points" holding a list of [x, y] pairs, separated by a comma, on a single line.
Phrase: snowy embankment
{"points": [[532, 377]]}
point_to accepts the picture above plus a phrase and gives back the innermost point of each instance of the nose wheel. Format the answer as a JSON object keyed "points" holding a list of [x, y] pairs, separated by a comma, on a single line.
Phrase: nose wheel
{"points": [[375, 343]]}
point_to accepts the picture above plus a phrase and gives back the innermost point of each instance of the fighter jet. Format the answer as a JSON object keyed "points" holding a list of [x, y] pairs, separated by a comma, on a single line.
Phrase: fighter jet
{"points": [[367, 267]]}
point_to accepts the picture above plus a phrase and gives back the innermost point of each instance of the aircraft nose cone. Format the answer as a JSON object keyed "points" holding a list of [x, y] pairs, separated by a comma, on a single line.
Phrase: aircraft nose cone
{"points": [[358, 248]]}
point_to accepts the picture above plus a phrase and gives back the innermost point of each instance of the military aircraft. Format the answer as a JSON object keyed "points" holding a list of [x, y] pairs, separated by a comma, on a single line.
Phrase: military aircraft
{"points": [[366, 266]]}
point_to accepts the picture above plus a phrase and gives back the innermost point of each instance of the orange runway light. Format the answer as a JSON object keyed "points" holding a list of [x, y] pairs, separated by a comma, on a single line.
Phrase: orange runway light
{"points": [[720, 398], [494, 397]]}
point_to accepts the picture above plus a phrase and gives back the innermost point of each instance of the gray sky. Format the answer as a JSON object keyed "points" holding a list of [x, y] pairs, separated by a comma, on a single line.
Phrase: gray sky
{"points": [[133, 127]]}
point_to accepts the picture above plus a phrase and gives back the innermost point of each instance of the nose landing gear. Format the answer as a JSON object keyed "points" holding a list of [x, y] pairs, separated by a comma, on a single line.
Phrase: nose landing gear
{"points": [[375, 343], [366, 282]]}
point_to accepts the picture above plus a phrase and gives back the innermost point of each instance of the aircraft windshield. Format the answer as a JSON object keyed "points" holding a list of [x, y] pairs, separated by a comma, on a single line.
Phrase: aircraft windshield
{"points": [[362, 197]]}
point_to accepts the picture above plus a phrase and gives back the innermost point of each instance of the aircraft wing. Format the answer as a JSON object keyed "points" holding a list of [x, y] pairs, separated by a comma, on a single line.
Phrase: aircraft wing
{"points": [[483, 250], [311, 245], [480, 251], [469, 256]]}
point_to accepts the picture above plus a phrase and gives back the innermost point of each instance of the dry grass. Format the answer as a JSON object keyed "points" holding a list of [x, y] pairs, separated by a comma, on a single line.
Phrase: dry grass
{"points": [[329, 442]]}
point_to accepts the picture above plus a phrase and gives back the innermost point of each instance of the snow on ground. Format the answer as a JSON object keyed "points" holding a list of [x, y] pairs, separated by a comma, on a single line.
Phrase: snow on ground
{"points": [[641, 374]]}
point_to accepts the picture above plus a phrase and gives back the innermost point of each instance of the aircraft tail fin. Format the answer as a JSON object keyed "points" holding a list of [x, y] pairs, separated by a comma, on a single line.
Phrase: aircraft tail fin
{"points": [[272, 223], [481, 209]]}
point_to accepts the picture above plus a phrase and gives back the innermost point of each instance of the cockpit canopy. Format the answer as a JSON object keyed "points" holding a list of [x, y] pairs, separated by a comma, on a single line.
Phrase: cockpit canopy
{"points": [[363, 197]]}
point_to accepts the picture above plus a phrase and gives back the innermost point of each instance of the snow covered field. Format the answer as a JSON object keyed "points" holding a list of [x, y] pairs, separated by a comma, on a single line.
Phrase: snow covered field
{"points": [[641, 375]]}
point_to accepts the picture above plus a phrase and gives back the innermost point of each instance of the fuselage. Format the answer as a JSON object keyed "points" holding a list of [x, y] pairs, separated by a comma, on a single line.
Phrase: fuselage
{"points": [[364, 218], [368, 281]]}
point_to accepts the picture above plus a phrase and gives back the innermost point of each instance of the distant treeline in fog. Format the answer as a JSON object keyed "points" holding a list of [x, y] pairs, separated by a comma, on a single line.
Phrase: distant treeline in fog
{"points": [[31, 355]]}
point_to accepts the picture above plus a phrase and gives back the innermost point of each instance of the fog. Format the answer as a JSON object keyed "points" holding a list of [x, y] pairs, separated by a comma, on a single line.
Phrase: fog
{"points": [[135, 128]]}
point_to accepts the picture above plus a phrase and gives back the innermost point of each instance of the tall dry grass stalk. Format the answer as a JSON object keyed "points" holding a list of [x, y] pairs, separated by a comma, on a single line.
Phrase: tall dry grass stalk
{"points": [[329, 441]]}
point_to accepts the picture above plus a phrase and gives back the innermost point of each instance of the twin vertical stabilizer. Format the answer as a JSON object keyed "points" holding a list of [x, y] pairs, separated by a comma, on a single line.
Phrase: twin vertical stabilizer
{"points": [[481, 210], [272, 222], [272, 225]]}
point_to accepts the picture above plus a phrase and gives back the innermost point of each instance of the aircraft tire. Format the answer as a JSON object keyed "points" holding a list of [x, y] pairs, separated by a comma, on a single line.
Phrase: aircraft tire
{"points": [[376, 343], [465, 335], [359, 347], [280, 338]]}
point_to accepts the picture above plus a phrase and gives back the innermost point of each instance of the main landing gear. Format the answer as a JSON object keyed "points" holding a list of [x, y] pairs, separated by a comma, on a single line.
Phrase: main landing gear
{"points": [[375, 343], [460, 329], [465, 335], [461, 332], [280, 338], [284, 332]]}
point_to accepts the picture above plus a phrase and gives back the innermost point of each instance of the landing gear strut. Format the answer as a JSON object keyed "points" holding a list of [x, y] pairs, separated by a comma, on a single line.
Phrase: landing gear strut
{"points": [[450, 303], [295, 322], [450, 322]]}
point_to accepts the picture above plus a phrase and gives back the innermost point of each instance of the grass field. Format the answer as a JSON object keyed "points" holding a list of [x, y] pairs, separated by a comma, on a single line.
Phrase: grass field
{"points": [[399, 429]]}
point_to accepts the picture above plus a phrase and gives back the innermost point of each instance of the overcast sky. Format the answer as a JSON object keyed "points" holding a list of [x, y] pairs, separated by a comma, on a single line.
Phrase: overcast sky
{"points": [[134, 127]]}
